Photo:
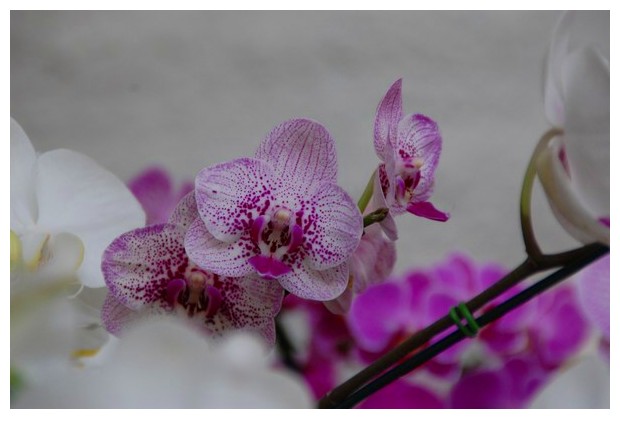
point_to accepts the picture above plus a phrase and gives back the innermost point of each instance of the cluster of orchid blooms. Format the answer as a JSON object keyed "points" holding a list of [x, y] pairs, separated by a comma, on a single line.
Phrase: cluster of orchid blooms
{"points": [[273, 235], [256, 228]]}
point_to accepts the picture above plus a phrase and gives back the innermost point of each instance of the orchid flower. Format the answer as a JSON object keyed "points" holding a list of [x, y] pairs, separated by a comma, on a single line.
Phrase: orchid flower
{"points": [[511, 357], [163, 364], [280, 214], [409, 147], [371, 263], [65, 209], [155, 191], [148, 273], [574, 167]]}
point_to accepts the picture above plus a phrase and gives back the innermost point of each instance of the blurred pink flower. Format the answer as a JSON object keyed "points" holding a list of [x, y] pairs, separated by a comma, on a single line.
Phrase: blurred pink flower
{"points": [[155, 191], [514, 355]]}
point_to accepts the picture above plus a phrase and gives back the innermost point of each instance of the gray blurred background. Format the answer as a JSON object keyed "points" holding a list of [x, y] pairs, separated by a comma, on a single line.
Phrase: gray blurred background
{"points": [[187, 89]]}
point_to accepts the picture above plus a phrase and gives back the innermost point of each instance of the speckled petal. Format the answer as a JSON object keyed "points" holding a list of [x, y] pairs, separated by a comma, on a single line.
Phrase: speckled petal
{"points": [[209, 253], [249, 303], [116, 316], [308, 283], [335, 227], [301, 151], [418, 137], [389, 114], [229, 195], [186, 211], [138, 265]]}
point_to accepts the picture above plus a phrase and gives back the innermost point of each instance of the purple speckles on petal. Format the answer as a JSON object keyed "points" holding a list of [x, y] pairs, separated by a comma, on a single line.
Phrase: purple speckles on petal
{"points": [[336, 229], [230, 195], [138, 265]]}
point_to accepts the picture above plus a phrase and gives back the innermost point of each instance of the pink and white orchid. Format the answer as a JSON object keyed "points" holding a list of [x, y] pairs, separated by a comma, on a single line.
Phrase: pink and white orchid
{"points": [[574, 167], [409, 147], [280, 214], [148, 273]]}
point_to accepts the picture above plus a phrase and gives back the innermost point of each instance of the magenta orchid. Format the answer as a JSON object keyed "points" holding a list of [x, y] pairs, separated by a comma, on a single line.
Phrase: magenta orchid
{"points": [[409, 147], [148, 272], [280, 214], [512, 357]]}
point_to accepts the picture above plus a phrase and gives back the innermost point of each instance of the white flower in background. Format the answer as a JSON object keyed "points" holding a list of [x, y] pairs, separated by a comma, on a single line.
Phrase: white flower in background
{"points": [[65, 210], [574, 168], [163, 364]]}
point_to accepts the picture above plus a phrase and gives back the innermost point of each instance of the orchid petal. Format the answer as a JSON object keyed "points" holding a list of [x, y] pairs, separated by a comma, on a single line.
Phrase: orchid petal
{"points": [[342, 304], [138, 264], [427, 210], [231, 194], [63, 255], [574, 30], [301, 152], [209, 253], [373, 260], [309, 283], [77, 195], [389, 113], [117, 317], [419, 138], [377, 315], [24, 211], [153, 188], [568, 208], [586, 133], [186, 211], [594, 293], [335, 227], [249, 303]]}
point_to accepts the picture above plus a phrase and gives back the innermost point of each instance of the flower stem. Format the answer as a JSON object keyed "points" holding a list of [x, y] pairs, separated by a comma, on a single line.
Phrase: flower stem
{"points": [[367, 194], [376, 216], [593, 252], [531, 245]]}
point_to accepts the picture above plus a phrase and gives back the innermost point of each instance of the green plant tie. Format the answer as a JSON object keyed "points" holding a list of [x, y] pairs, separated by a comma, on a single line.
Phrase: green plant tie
{"points": [[459, 312]]}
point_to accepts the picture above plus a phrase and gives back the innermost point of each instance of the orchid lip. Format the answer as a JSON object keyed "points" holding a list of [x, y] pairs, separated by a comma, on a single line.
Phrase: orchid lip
{"points": [[195, 293], [276, 235]]}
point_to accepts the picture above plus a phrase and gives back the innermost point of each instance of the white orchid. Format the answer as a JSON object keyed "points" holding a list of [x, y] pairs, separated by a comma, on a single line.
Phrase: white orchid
{"points": [[65, 210], [163, 363], [574, 167]]}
